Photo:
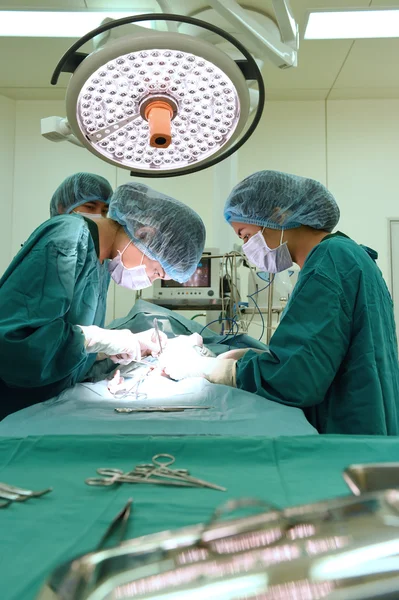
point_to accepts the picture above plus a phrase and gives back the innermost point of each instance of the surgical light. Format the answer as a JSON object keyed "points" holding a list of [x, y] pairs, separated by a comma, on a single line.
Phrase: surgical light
{"points": [[161, 103], [352, 24]]}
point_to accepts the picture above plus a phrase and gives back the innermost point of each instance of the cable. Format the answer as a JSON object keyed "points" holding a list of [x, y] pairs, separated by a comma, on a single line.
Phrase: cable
{"points": [[198, 315], [251, 297], [227, 334], [229, 278], [260, 314]]}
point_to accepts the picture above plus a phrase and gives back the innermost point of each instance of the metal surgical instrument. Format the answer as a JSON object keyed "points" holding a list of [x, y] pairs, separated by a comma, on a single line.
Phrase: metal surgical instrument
{"points": [[160, 468], [11, 493], [121, 520], [158, 473], [5, 487], [160, 409], [156, 327]]}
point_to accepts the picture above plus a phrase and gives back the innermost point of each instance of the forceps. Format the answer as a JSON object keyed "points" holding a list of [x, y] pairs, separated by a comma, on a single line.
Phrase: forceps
{"points": [[158, 473], [133, 389], [121, 521], [160, 468], [112, 476], [11, 493]]}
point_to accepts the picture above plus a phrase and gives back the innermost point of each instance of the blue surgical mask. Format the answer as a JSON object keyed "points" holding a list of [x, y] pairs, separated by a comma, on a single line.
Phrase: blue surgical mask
{"points": [[135, 278], [271, 260]]}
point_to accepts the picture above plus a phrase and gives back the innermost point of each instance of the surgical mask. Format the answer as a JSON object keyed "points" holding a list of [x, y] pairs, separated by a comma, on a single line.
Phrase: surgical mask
{"points": [[135, 278], [271, 260], [92, 216]]}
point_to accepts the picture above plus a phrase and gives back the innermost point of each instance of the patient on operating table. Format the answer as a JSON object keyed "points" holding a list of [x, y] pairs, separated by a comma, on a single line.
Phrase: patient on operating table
{"points": [[149, 365]]}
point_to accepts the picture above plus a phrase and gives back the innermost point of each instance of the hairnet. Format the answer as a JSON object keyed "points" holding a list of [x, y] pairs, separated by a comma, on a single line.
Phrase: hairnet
{"points": [[163, 228], [78, 189], [282, 201]]}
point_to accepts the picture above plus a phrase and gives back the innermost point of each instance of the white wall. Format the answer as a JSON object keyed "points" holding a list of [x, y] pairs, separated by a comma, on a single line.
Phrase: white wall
{"points": [[349, 145], [7, 147], [291, 137], [363, 169]]}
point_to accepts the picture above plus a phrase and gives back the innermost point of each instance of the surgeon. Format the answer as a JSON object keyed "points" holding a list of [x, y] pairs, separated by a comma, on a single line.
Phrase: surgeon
{"points": [[84, 193], [334, 354], [89, 195], [51, 310]]}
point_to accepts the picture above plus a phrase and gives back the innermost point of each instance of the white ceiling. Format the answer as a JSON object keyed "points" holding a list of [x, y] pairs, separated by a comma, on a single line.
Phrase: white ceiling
{"points": [[337, 69]]}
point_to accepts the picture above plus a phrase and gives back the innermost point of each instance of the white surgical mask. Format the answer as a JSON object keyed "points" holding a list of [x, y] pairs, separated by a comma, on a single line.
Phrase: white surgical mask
{"points": [[92, 216], [135, 278], [271, 260]]}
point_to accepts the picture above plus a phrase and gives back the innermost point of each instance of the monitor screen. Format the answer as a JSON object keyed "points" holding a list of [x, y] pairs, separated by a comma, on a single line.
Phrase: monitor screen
{"points": [[200, 279]]}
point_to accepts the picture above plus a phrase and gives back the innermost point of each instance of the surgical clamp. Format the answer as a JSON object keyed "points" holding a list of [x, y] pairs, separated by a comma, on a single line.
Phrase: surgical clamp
{"points": [[158, 473]]}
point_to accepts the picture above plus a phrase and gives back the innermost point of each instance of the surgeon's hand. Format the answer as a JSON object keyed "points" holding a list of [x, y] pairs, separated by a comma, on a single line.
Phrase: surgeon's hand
{"points": [[120, 345], [192, 364], [149, 343], [181, 343]]}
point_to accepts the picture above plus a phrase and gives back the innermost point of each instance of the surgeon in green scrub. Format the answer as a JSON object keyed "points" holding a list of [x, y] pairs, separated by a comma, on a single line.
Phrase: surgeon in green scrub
{"points": [[51, 306], [334, 354], [88, 195]]}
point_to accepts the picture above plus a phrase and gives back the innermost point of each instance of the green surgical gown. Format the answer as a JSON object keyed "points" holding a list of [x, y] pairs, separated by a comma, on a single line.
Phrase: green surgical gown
{"points": [[54, 283], [335, 352]]}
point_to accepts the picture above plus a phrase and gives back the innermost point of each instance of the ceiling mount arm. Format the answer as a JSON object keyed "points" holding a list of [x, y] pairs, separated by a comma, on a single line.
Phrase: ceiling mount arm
{"points": [[260, 40], [286, 22]]}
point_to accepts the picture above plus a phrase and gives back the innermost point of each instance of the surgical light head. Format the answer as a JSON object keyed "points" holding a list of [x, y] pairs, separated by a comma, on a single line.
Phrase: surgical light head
{"points": [[165, 229], [282, 201], [78, 189], [162, 103]]}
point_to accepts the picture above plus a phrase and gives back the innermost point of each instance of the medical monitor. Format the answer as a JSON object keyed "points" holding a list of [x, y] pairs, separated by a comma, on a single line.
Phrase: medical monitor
{"points": [[204, 283]]}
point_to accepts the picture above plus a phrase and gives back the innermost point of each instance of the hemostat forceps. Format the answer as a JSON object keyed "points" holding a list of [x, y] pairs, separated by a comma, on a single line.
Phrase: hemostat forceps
{"points": [[158, 473]]}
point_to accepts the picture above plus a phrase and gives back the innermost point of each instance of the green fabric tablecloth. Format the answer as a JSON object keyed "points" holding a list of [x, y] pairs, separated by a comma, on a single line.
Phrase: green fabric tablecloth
{"points": [[37, 535]]}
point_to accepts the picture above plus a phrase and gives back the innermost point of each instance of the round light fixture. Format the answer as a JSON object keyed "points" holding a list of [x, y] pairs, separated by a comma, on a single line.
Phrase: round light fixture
{"points": [[159, 104]]}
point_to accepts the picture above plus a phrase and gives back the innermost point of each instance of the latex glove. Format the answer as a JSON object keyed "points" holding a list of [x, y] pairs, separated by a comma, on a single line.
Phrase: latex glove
{"points": [[181, 342], [120, 345], [149, 343], [116, 383], [191, 364]]}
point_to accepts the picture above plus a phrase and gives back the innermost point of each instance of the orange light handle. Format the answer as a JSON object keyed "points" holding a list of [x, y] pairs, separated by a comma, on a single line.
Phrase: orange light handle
{"points": [[159, 115]]}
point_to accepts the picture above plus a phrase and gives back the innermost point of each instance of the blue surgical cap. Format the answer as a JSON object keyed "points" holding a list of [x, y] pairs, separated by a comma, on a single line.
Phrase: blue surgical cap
{"points": [[282, 201], [165, 229], [77, 190]]}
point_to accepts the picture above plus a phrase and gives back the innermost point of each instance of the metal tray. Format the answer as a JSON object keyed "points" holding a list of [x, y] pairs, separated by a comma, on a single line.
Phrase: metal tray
{"points": [[373, 477], [298, 552]]}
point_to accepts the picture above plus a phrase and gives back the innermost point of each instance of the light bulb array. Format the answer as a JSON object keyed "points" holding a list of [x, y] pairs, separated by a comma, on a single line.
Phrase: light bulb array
{"points": [[108, 108]]}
